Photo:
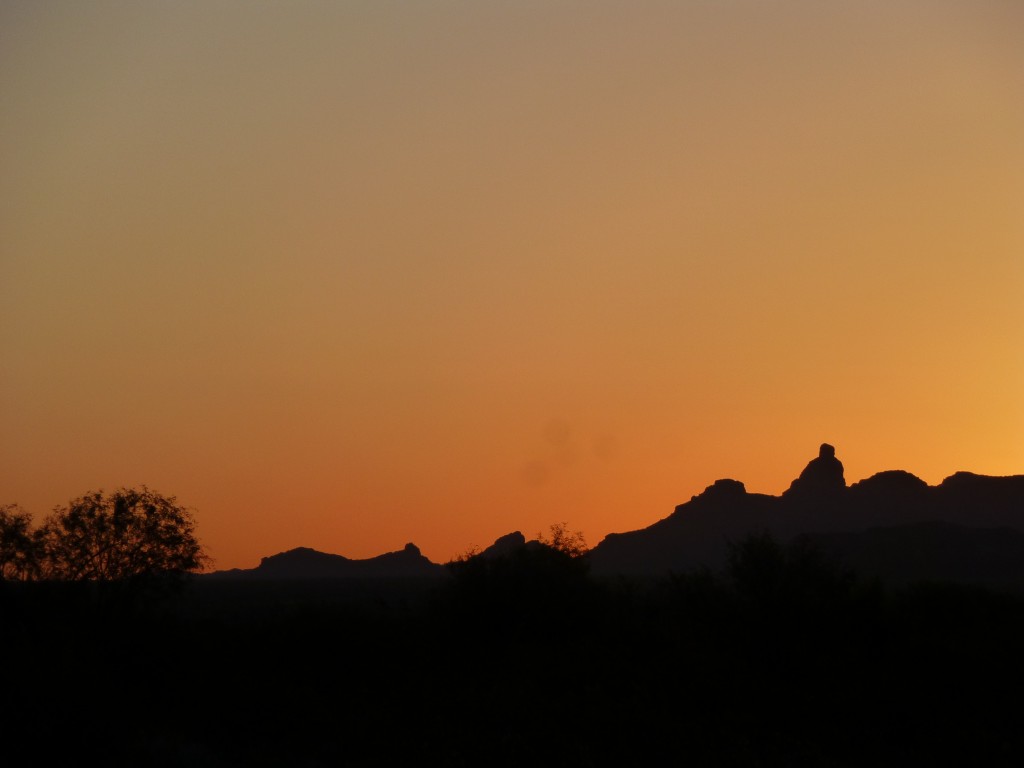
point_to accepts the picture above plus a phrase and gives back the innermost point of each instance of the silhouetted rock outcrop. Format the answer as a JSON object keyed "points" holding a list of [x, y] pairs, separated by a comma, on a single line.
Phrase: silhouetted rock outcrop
{"points": [[894, 497], [821, 478], [697, 533], [508, 545], [505, 545], [982, 500], [306, 563], [819, 502]]}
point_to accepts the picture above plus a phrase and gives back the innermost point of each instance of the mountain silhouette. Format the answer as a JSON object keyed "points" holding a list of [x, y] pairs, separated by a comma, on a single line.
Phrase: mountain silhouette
{"points": [[946, 527], [306, 563], [509, 545], [969, 528]]}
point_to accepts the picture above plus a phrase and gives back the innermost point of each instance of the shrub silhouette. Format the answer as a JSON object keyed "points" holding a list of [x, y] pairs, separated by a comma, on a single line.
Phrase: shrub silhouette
{"points": [[560, 538]]}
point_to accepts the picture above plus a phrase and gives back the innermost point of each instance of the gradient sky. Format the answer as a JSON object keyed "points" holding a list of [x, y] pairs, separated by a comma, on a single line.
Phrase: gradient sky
{"points": [[352, 274]]}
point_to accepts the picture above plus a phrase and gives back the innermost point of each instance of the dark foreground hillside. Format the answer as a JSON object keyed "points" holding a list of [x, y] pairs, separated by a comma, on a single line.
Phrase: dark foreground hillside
{"points": [[781, 660]]}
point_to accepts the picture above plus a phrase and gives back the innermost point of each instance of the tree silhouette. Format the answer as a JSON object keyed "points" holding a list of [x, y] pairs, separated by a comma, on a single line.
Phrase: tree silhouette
{"points": [[130, 534], [19, 550]]}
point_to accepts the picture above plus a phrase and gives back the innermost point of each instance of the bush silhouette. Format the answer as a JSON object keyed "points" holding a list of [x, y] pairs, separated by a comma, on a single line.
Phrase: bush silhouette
{"points": [[560, 538]]}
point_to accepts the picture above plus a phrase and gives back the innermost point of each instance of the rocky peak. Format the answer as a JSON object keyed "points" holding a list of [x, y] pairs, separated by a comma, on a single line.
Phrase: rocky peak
{"points": [[723, 491], [505, 545], [822, 476]]}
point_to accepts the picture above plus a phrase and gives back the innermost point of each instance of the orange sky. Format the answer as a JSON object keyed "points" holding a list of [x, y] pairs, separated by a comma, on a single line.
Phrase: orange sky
{"points": [[352, 274]]}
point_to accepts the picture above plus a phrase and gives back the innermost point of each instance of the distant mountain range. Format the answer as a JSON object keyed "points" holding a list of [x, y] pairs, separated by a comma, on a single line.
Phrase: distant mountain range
{"points": [[969, 528], [893, 525]]}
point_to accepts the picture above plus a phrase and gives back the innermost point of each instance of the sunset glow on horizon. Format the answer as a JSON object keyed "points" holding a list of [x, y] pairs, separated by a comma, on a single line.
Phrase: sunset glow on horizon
{"points": [[348, 275]]}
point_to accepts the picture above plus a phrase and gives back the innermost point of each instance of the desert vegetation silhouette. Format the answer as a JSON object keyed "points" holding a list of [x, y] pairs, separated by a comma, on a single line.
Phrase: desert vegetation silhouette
{"points": [[129, 535], [523, 653]]}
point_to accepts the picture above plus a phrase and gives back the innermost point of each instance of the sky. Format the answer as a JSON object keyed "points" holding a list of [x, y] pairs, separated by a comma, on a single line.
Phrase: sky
{"points": [[351, 274]]}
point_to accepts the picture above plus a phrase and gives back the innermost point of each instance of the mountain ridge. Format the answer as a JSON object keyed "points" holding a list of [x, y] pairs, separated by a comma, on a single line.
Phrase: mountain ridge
{"points": [[699, 532], [858, 523]]}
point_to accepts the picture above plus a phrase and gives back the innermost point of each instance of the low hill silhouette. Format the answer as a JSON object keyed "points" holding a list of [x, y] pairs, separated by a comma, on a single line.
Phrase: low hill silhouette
{"points": [[303, 563]]}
